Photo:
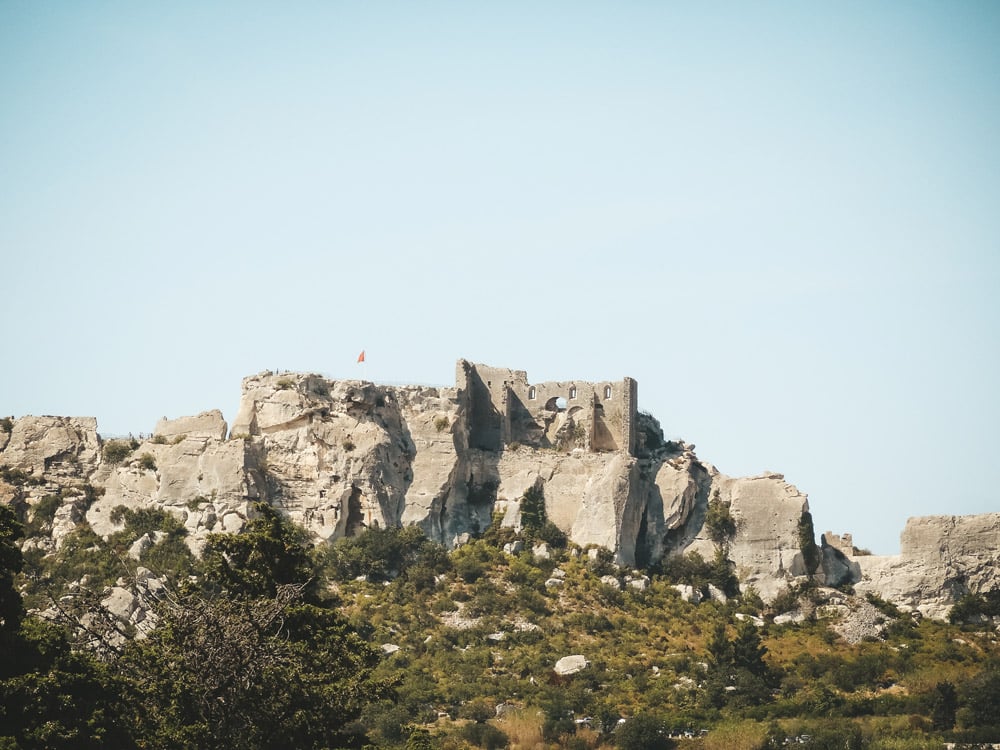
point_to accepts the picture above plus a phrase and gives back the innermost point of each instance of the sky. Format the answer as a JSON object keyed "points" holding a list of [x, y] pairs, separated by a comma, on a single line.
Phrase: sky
{"points": [[780, 218]]}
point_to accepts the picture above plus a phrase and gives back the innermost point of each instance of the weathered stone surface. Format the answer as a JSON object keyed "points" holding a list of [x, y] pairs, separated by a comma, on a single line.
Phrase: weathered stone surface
{"points": [[53, 446], [571, 664], [765, 548], [199, 480], [208, 424], [941, 558]]}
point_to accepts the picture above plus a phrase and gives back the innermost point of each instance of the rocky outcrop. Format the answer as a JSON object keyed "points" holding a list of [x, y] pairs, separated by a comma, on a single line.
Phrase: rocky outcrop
{"points": [[53, 447], [941, 558], [341, 456], [208, 483], [208, 424]]}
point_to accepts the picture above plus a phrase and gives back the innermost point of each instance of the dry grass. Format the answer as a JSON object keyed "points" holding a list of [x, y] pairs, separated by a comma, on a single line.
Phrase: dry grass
{"points": [[524, 728], [742, 735]]}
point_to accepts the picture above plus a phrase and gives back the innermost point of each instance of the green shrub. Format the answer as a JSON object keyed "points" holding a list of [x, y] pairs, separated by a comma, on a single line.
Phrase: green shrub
{"points": [[442, 423], [719, 522], [116, 451], [284, 384], [643, 732], [886, 608], [484, 735], [147, 462], [159, 440], [348, 445], [383, 554], [6, 424], [18, 477], [42, 515]]}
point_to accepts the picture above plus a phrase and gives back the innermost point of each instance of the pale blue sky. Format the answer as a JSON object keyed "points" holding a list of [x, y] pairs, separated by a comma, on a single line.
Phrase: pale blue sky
{"points": [[781, 218]]}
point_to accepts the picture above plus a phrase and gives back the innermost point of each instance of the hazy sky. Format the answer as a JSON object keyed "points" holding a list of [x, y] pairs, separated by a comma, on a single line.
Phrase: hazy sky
{"points": [[781, 218]]}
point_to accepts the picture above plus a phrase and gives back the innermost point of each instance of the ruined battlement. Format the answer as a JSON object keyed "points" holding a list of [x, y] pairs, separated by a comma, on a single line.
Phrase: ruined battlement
{"points": [[505, 409]]}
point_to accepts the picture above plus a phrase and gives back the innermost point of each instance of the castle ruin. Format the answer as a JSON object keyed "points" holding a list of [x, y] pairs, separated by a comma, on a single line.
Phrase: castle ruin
{"points": [[505, 410]]}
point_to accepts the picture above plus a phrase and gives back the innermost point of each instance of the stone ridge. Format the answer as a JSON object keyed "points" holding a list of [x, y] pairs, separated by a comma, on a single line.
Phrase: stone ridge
{"points": [[341, 456]]}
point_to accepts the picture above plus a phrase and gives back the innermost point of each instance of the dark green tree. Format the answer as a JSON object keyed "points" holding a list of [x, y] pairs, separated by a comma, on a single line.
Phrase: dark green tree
{"points": [[11, 562], [719, 522], [252, 656], [50, 697], [748, 650], [720, 649], [979, 698], [533, 515], [943, 705], [807, 543], [269, 553]]}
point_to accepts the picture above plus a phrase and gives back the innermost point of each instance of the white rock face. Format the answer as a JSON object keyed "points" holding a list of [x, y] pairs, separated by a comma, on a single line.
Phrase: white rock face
{"points": [[208, 424], [53, 446], [199, 480], [765, 548], [941, 558]]}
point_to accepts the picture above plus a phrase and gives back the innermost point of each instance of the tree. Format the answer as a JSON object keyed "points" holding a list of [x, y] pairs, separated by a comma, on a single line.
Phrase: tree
{"points": [[533, 516], [719, 647], [747, 649], [252, 655], [11, 607], [50, 697], [258, 672], [719, 521], [944, 705], [269, 553], [807, 543]]}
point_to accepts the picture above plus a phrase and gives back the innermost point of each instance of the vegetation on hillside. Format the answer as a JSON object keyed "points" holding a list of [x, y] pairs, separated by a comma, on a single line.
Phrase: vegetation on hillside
{"points": [[387, 640]]}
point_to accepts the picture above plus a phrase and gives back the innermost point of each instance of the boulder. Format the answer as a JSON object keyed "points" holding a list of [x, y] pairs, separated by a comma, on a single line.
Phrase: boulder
{"points": [[571, 664]]}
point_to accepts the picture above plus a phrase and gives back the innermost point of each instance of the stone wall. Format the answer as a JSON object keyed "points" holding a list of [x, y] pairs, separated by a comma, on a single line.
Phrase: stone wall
{"points": [[505, 408]]}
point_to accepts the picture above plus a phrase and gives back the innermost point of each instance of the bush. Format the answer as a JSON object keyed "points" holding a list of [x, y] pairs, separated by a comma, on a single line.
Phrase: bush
{"points": [[42, 515], [147, 462], [384, 554], [643, 732], [720, 523], [442, 423], [116, 451], [484, 735]]}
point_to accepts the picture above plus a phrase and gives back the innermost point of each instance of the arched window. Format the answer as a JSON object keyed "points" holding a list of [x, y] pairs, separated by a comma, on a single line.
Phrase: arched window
{"points": [[531, 393], [572, 392], [607, 391]]}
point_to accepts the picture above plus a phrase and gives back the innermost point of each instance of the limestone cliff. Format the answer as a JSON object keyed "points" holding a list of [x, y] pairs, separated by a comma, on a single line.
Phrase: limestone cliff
{"points": [[940, 559], [342, 456]]}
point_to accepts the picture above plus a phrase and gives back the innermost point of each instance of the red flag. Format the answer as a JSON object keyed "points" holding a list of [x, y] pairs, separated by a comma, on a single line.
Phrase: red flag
{"points": [[361, 357]]}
